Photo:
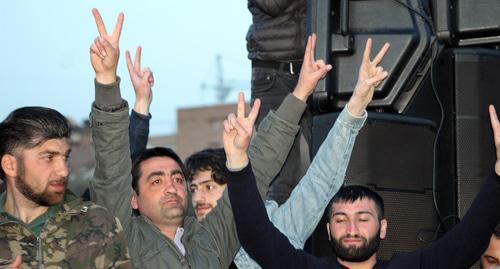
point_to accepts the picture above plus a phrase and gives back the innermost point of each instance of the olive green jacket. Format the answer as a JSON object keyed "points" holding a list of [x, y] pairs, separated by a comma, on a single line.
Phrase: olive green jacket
{"points": [[211, 243]]}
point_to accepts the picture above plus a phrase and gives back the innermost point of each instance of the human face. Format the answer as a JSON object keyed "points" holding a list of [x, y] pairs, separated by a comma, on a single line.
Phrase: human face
{"points": [[491, 257], [42, 172], [162, 192], [355, 230], [205, 193]]}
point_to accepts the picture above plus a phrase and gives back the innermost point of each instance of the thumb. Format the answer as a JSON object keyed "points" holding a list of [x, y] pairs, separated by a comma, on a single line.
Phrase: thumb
{"points": [[16, 263]]}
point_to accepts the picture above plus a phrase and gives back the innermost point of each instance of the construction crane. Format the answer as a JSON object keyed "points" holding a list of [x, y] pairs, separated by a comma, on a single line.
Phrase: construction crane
{"points": [[221, 87]]}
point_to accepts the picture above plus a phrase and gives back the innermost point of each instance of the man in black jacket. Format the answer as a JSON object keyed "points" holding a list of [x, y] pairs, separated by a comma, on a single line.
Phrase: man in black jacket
{"points": [[275, 42]]}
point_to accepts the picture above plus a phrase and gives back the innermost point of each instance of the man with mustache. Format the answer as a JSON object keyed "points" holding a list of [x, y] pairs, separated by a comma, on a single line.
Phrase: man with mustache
{"points": [[207, 179], [164, 234], [42, 224]]}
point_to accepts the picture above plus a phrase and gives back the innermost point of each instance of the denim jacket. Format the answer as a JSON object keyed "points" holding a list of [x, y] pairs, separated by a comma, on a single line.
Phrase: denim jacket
{"points": [[299, 215]]}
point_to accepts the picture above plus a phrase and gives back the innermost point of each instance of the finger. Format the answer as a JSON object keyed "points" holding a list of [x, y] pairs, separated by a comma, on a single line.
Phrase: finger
{"points": [[227, 129], [130, 66], [254, 112], [307, 52], [100, 46], [137, 62], [95, 50], [324, 70], [377, 78], [118, 27], [100, 24], [495, 124], [240, 113], [231, 118], [106, 44], [16, 263], [381, 54], [313, 46], [368, 49], [242, 132]]}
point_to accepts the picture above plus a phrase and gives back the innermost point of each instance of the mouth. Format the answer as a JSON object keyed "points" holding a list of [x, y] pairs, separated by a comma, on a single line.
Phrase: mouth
{"points": [[352, 241], [58, 186], [202, 209]]}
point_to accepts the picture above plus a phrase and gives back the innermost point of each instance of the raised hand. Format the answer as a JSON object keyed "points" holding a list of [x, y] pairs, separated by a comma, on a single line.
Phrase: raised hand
{"points": [[104, 52], [495, 125], [370, 76], [311, 72], [16, 264], [142, 81], [237, 133]]}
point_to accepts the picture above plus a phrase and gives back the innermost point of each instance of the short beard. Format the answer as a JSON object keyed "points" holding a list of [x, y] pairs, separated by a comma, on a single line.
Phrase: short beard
{"points": [[43, 198], [356, 254]]}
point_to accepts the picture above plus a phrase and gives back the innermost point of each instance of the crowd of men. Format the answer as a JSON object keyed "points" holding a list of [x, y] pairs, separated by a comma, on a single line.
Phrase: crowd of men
{"points": [[149, 209]]}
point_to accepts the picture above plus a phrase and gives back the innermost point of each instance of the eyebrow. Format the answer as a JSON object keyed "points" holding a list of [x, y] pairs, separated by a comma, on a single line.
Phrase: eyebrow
{"points": [[154, 174], [54, 152], [200, 183], [356, 213]]}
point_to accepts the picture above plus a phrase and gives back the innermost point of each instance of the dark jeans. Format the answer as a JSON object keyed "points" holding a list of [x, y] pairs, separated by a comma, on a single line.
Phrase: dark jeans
{"points": [[272, 86]]}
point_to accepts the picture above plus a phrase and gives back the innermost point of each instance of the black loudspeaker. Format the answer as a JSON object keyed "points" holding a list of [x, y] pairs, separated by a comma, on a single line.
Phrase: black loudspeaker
{"points": [[392, 155], [472, 76]]}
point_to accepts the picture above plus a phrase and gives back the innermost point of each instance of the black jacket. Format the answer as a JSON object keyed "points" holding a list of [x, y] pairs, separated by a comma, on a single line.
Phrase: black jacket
{"points": [[278, 32]]}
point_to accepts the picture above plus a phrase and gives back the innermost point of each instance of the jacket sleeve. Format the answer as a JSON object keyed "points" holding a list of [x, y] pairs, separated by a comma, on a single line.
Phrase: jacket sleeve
{"points": [[265, 244], [115, 252], [464, 244], [273, 7], [111, 185], [272, 143], [299, 215], [268, 149], [138, 132]]}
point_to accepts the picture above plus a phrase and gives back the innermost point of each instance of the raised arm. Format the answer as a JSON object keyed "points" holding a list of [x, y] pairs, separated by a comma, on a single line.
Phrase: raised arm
{"points": [[111, 186], [299, 215], [142, 81], [477, 225], [271, 145]]}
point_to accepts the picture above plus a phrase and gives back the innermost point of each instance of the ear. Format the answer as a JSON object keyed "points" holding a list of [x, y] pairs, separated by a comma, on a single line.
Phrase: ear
{"points": [[328, 231], [133, 201], [9, 165], [383, 228]]}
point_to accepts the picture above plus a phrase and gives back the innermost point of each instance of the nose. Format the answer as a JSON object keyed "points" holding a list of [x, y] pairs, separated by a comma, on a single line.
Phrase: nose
{"points": [[198, 196], [352, 228], [62, 169], [170, 186]]}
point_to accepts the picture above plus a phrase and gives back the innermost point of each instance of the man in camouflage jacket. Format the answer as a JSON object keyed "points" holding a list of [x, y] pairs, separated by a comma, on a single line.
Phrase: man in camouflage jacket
{"points": [[41, 225]]}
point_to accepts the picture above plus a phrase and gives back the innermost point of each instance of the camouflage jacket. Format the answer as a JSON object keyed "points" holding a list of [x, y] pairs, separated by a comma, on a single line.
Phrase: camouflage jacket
{"points": [[80, 235]]}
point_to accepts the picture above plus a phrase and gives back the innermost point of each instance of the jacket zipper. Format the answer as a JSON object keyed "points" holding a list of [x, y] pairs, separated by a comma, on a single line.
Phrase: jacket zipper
{"points": [[39, 256]]}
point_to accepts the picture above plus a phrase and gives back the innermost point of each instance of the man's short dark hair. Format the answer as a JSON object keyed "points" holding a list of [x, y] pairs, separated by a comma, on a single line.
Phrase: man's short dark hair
{"points": [[148, 154], [213, 160], [352, 193], [497, 231], [28, 127]]}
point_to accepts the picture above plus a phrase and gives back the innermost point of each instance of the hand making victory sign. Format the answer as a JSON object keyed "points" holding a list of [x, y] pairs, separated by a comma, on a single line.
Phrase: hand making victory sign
{"points": [[104, 52], [237, 133], [142, 81], [370, 76], [311, 72]]}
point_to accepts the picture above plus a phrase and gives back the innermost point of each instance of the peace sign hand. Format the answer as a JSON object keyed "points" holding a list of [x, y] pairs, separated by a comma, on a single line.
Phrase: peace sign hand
{"points": [[370, 76], [237, 133], [104, 52], [142, 81]]}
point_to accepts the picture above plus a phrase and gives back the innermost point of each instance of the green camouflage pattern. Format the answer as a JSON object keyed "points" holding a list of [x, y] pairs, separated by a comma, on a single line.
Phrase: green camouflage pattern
{"points": [[80, 235]]}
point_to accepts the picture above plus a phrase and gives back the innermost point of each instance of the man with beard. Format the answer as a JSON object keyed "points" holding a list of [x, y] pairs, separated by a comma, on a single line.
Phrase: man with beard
{"points": [[207, 179], [41, 224], [357, 225]]}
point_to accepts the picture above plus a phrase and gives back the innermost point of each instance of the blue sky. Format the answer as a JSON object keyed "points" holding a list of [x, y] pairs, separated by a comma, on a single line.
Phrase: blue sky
{"points": [[45, 52]]}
